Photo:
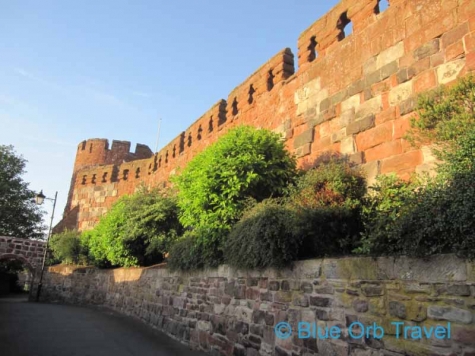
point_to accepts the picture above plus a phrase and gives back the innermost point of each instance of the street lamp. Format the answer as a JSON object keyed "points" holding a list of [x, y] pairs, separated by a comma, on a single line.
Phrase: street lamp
{"points": [[39, 199]]}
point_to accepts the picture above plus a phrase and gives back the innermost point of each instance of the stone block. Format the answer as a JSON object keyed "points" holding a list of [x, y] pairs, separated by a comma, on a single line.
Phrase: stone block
{"points": [[348, 145], [402, 76], [389, 69], [356, 158], [350, 103], [454, 51], [374, 136], [370, 107], [416, 312], [320, 301], [372, 290], [300, 300], [303, 138], [425, 81], [449, 71], [436, 269], [356, 88], [360, 125], [338, 136], [397, 309], [303, 150], [339, 97], [454, 35], [400, 93], [390, 55], [427, 49], [407, 106], [371, 170], [458, 289], [306, 287], [325, 104], [360, 306], [450, 314], [373, 78], [369, 66], [384, 150]]}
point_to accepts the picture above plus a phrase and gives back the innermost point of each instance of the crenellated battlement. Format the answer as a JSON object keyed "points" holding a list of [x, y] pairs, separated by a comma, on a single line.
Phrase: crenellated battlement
{"points": [[354, 93], [96, 151]]}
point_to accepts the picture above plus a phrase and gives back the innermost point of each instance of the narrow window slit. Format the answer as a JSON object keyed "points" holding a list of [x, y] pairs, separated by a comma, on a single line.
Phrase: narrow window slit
{"points": [[235, 107], [251, 94], [210, 126], [200, 131], [182, 142], [270, 80], [312, 49]]}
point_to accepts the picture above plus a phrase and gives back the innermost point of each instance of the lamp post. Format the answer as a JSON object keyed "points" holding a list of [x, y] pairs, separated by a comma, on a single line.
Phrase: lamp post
{"points": [[39, 199]]}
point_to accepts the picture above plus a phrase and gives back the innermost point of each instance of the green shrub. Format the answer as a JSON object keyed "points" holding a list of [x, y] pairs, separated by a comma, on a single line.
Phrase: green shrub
{"points": [[329, 231], [137, 231], [387, 201], [266, 236], [193, 253], [327, 203], [445, 114], [244, 163], [441, 220], [437, 216], [67, 248], [458, 157]]}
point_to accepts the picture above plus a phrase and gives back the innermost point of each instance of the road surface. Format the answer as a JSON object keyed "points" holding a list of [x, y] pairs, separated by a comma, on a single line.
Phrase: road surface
{"points": [[38, 329]]}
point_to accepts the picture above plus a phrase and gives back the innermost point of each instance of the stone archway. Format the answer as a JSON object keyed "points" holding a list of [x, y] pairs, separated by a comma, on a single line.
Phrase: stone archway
{"points": [[28, 252]]}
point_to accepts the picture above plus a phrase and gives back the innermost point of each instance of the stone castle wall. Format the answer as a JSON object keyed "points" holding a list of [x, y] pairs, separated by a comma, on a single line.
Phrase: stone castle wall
{"points": [[352, 95], [227, 312]]}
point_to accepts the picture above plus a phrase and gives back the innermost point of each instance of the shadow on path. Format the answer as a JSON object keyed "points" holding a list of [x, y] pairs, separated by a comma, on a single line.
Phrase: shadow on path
{"points": [[38, 329]]}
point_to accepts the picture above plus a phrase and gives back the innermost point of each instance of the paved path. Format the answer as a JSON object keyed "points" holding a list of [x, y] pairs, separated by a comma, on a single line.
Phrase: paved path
{"points": [[37, 329]]}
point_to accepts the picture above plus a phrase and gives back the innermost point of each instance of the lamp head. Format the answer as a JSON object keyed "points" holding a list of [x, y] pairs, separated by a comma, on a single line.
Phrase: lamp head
{"points": [[40, 198]]}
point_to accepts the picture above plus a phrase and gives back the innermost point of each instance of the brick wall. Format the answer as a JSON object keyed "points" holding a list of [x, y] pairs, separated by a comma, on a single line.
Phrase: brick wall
{"points": [[30, 252], [352, 95], [227, 312]]}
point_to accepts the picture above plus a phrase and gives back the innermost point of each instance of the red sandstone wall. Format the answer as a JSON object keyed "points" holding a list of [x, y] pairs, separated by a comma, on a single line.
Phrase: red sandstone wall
{"points": [[352, 95]]}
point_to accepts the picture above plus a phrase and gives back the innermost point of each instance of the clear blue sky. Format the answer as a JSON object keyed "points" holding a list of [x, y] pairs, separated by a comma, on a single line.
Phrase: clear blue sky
{"points": [[72, 70]]}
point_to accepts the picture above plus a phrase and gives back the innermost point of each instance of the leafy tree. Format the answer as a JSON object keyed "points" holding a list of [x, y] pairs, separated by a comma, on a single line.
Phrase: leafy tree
{"points": [[137, 231], [245, 163], [19, 215], [67, 247]]}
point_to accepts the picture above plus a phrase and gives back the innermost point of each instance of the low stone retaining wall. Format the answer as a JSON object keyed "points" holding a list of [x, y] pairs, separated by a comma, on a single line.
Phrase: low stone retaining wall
{"points": [[230, 312]]}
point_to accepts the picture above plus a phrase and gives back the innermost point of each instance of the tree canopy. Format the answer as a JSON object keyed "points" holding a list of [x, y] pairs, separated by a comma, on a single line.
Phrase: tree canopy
{"points": [[19, 215]]}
